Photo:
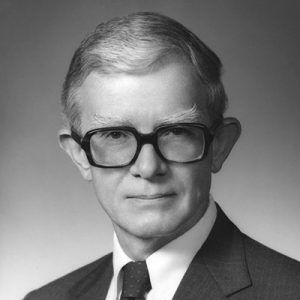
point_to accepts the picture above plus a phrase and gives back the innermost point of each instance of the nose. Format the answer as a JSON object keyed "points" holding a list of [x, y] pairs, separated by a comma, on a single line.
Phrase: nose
{"points": [[148, 164]]}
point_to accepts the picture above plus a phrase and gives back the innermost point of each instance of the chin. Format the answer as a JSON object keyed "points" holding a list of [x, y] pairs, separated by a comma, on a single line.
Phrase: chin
{"points": [[149, 228]]}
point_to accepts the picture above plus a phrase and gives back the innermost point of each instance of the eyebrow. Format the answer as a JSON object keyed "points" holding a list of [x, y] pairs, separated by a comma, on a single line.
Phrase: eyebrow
{"points": [[110, 121], [191, 115]]}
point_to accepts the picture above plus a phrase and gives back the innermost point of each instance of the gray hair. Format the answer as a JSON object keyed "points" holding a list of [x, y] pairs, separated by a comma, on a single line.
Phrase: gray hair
{"points": [[139, 43]]}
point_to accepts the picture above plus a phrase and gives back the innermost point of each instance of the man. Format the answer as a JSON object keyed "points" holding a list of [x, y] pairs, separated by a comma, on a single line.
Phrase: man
{"points": [[145, 104]]}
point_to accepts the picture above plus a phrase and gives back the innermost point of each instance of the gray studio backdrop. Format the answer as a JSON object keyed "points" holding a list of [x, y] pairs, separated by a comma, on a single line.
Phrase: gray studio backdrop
{"points": [[50, 221]]}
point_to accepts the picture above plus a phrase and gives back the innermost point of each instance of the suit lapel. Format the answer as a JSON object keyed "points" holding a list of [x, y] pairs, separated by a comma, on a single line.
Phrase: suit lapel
{"points": [[219, 268], [95, 285], [197, 283]]}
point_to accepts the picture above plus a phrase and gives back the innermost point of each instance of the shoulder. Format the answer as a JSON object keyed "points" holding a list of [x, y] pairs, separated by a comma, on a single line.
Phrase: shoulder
{"points": [[264, 273], [60, 288], [268, 267], [259, 255]]}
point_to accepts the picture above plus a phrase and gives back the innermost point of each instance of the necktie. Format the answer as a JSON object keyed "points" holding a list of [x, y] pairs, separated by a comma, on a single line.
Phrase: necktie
{"points": [[136, 281]]}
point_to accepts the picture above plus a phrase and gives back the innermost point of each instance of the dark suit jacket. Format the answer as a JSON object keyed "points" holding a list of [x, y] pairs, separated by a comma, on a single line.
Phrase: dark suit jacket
{"points": [[229, 265]]}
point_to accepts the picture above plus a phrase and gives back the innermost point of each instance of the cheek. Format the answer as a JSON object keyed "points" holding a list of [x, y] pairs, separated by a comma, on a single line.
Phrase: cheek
{"points": [[196, 192], [195, 181], [106, 183], [202, 181]]}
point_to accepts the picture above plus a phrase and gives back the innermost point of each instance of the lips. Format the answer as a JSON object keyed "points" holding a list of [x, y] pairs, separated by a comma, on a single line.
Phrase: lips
{"points": [[151, 196]]}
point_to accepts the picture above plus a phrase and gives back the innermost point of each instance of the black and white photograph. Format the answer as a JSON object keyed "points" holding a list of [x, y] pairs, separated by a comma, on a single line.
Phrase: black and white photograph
{"points": [[150, 150]]}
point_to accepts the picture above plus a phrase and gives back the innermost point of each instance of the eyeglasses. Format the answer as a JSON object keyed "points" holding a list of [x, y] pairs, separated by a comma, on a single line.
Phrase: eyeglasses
{"points": [[116, 147]]}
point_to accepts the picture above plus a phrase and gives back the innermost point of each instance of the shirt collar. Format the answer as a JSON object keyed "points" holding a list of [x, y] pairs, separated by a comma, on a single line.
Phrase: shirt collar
{"points": [[172, 259]]}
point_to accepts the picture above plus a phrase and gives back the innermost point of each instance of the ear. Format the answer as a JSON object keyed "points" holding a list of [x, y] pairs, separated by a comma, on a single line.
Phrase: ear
{"points": [[76, 153], [226, 136]]}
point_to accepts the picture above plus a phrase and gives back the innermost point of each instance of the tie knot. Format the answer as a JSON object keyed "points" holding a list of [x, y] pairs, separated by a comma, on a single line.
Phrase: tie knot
{"points": [[136, 281]]}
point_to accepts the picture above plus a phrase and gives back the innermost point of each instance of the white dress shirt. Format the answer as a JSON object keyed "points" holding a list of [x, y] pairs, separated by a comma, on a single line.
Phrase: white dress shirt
{"points": [[168, 264]]}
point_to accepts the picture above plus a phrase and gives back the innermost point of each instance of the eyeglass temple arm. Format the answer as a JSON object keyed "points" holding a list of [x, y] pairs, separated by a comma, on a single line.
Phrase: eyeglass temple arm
{"points": [[76, 137], [216, 124]]}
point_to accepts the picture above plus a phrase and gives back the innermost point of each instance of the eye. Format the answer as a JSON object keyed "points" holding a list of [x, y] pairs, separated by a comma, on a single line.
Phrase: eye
{"points": [[115, 134], [179, 131], [112, 136], [176, 131]]}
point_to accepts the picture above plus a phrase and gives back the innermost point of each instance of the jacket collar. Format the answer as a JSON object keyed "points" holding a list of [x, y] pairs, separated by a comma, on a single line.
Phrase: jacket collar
{"points": [[219, 268], [95, 285]]}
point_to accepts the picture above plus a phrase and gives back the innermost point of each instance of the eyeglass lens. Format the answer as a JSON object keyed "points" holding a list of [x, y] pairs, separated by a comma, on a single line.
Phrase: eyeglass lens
{"points": [[116, 147], [181, 144]]}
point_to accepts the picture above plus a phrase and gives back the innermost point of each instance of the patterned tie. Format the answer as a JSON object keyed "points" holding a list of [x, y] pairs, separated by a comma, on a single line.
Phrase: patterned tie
{"points": [[136, 281]]}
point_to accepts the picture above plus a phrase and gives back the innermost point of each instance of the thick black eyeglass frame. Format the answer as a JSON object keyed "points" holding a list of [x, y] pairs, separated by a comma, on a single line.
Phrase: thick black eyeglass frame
{"points": [[142, 139]]}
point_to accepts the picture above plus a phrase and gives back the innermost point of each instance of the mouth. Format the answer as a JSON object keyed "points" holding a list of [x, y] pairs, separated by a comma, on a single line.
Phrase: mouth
{"points": [[151, 196]]}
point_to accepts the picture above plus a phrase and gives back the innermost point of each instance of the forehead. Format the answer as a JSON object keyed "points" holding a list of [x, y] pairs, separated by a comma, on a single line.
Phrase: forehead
{"points": [[143, 100]]}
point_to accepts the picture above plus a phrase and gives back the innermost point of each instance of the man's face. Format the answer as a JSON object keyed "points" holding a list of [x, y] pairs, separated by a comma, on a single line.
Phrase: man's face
{"points": [[150, 198]]}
